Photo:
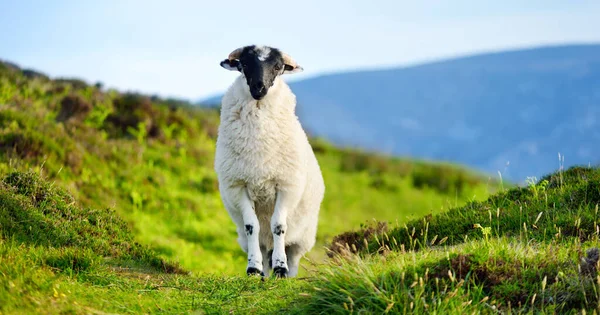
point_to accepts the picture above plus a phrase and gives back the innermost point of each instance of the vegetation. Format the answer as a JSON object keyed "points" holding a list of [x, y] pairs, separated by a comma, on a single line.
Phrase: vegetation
{"points": [[525, 249], [502, 275], [559, 207], [109, 203], [151, 161]]}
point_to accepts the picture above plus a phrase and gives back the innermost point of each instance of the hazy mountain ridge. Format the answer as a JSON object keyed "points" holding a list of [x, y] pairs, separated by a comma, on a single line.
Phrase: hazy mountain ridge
{"points": [[519, 107]]}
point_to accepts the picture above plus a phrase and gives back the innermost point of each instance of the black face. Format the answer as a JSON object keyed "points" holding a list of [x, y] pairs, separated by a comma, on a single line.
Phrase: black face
{"points": [[260, 66]]}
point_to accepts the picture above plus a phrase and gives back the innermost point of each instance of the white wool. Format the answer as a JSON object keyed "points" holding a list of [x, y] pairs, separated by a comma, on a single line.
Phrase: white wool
{"points": [[262, 148], [263, 52]]}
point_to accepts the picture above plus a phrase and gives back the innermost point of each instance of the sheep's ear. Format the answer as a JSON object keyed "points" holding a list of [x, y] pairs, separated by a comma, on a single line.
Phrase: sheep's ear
{"points": [[292, 69], [231, 64], [290, 65]]}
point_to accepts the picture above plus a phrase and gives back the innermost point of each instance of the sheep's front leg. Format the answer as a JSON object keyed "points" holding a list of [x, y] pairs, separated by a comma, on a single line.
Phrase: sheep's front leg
{"points": [[285, 200], [251, 228]]}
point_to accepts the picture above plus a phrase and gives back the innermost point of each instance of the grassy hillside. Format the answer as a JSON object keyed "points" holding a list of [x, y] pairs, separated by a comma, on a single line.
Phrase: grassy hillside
{"points": [[524, 250], [58, 258], [151, 161], [109, 203]]}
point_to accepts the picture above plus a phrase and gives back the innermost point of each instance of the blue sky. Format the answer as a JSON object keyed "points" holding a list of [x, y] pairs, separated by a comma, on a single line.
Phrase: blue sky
{"points": [[173, 48]]}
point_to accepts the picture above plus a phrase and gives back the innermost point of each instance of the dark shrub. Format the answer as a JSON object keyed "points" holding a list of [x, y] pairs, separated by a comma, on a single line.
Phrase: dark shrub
{"points": [[355, 161], [77, 84], [320, 145], [32, 74], [9, 65], [443, 178], [129, 111], [73, 107], [29, 144], [380, 183]]}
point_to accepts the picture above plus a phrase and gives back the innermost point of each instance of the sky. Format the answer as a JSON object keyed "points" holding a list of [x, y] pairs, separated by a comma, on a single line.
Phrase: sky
{"points": [[173, 48]]}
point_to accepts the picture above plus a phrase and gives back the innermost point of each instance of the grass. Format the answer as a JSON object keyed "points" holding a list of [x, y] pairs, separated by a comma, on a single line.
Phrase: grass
{"points": [[523, 250], [503, 275], [33, 212], [109, 204], [559, 206], [62, 258], [90, 264], [29, 285]]}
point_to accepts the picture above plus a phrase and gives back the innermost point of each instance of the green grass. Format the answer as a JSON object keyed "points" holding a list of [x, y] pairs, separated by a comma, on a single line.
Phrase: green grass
{"points": [[60, 258], [90, 263], [504, 275], [560, 206], [109, 204], [35, 213], [521, 250], [29, 285]]}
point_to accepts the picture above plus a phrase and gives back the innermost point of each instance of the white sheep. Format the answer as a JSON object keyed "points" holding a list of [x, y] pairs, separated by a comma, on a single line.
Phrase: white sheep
{"points": [[269, 178]]}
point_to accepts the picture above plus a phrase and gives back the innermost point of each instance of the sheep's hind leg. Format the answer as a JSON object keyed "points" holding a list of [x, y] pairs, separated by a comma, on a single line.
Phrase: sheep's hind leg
{"points": [[293, 258], [266, 260]]}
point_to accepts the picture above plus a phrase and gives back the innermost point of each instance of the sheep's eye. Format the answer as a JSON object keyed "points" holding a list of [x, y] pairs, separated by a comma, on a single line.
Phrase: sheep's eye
{"points": [[277, 68]]}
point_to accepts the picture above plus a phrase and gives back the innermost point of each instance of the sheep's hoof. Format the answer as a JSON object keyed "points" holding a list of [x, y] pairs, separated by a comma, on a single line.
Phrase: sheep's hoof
{"points": [[251, 271], [280, 272]]}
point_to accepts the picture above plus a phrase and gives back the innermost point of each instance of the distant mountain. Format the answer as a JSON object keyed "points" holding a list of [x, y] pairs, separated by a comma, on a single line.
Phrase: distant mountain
{"points": [[520, 108]]}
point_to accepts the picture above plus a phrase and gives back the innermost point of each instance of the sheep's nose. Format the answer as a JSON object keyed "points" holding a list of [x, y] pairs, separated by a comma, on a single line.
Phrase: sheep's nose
{"points": [[259, 86]]}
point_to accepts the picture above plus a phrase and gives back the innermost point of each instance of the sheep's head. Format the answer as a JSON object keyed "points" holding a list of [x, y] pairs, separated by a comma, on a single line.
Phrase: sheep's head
{"points": [[260, 65]]}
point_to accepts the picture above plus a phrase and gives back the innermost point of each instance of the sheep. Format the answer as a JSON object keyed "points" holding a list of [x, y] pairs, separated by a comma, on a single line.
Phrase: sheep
{"points": [[269, 177]]}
